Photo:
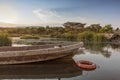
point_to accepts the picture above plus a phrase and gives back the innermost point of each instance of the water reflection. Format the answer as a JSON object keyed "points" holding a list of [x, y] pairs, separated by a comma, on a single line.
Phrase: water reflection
{"points": [[59, 68], [99, 48], [115, 46], [107, 56]]}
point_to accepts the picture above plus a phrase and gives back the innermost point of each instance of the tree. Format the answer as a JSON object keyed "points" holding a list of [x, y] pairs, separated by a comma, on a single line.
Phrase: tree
{"points": [[74, 25], [107, 29]]}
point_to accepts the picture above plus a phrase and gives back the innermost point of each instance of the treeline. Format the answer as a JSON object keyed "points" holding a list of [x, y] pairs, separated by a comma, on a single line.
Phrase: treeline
{"points": [[67, 27], [69, 31], [31, 30]]}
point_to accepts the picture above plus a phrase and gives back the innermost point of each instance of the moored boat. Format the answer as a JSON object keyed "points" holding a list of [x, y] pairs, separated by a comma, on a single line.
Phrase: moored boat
{"points": [[27, 54]]}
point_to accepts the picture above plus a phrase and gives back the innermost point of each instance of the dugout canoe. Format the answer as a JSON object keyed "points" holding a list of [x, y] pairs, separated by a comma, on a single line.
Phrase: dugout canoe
{"points": [[27, 54]]}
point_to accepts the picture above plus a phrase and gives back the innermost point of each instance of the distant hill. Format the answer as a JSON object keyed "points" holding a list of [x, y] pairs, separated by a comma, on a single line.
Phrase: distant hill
{"points": [[2, 24]]}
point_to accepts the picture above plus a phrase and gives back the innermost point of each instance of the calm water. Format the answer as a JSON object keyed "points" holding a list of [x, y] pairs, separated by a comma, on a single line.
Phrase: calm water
{"points": [[107, 58]]}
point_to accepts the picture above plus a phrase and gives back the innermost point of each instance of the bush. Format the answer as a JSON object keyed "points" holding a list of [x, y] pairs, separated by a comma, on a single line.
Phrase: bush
{"points": [[66, 36], [70, 36], [86, 36], [99, 38], [29, 37], [89, 36], [56, 35], [5, 40]]}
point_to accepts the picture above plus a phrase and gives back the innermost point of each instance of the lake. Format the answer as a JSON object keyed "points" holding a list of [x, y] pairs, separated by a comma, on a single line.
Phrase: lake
{"points": [[106, 57]]}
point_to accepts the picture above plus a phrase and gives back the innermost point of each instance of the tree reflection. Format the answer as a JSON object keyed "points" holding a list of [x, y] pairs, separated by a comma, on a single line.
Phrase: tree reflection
{"points": [[115, 46], [97, 48], [106, 53]]}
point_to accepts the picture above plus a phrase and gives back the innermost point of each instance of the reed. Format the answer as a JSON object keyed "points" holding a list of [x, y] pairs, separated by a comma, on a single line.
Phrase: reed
{"points": [[5, 40]]}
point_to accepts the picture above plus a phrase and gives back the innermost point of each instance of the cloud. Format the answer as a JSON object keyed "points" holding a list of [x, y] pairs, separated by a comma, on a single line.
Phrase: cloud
{"points": [[48, 16], [51, 17]]}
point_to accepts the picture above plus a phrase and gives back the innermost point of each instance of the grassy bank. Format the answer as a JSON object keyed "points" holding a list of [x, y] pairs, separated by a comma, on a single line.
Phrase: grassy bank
{"points": [[86, 36]]}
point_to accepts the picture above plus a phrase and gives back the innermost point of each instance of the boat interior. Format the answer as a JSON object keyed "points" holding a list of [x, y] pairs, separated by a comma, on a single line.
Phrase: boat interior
{"points": [[9, 48]]}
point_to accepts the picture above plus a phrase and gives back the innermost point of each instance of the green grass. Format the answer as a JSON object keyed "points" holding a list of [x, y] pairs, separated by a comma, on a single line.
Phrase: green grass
{"points": [[89, 36]]}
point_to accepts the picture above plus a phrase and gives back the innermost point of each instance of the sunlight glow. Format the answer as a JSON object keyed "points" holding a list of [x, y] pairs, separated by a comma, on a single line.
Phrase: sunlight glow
{"points": [[8, 14]]}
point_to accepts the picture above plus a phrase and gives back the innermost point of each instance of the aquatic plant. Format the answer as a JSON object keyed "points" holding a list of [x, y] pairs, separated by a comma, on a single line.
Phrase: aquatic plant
{"points": [[5, 40], [86, 36], [89, 36], [99, 38]]}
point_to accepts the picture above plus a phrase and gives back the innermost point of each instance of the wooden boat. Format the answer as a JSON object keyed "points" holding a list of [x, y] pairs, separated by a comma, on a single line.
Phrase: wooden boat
{"points": [[58, 68], [27, 54]]}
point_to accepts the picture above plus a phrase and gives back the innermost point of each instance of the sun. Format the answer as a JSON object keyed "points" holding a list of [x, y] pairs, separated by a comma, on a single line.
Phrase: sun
{"points": [[8, 14]]}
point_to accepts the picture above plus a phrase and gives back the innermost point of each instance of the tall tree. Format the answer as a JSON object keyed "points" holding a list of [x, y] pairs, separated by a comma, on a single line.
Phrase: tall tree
{"points": [[74, 25]]}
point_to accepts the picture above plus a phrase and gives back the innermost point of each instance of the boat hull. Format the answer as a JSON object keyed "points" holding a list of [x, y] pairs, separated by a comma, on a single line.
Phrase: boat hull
{"points": [[27, 56]]}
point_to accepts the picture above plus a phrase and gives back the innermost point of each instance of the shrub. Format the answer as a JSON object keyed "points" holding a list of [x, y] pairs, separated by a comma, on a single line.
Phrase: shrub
{"points": [[89, 36], [66, 36], [56, 35], [70, 36], [5, 40], [99, 38]]}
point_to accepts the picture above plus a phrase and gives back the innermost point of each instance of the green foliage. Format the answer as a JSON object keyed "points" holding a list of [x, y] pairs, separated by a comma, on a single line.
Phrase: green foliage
{"points": [[70, 31], [94, 27], [5, 40], [99, 38], [70, 36], [29, 37], [86, 36], [56, 35], [66, 36], [89, 36], [106, 29]]}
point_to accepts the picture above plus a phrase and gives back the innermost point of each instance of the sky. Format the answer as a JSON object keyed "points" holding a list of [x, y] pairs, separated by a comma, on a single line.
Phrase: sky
{"points": [[57, 12]]}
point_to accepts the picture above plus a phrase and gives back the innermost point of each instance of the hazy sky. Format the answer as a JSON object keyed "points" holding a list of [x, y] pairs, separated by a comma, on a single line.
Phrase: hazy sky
{"points": [[56, 12]]}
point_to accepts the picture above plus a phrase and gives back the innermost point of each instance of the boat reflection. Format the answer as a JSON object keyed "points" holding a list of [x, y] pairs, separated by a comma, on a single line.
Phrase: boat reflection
{"points": [[59, 68]]}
